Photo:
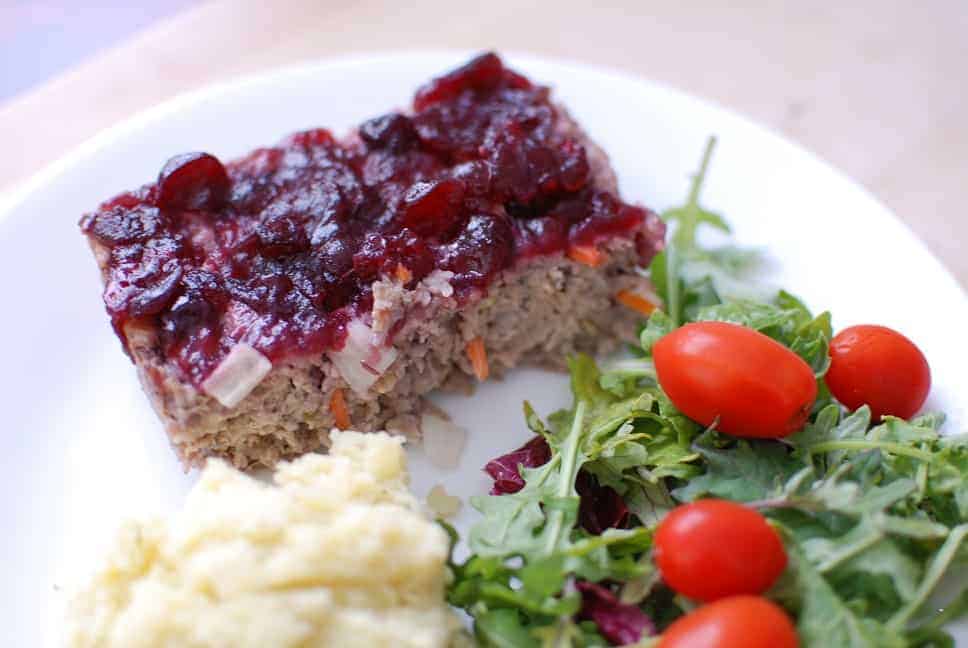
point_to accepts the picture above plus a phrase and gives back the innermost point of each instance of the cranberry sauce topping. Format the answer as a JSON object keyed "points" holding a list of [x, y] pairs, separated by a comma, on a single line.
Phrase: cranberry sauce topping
{"points": [[279, 249]]}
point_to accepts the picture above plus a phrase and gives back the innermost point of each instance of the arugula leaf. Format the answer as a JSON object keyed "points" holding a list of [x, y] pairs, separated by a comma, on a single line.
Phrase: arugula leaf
{"points": [[822, 436], [940, 562], [930, 633], [824, 619], [658, 325], [566, 632], [945, 485], [613, 555], [745, 472], [504, 628], [865, 550], [689, 277], [584, 384], [688, 218], [649, 502], [511, 523]]}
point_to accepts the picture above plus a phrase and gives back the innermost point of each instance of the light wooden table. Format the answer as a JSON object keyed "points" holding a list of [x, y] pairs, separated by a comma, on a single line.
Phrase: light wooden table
{"points": [[879, 88]]}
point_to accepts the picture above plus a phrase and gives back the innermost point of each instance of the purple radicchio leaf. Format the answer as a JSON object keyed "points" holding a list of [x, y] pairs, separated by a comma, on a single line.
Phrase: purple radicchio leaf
{"points": [[601, 507], [620, 623], [504, 469]]}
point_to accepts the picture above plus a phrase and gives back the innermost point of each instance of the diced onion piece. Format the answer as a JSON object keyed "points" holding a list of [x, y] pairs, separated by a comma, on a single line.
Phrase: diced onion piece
{"points": [[586, 254], [337, 405], [237, 375], [443, 441], [438, 283], [635, 301], [360, 361], [442, 503], [478, 357]]}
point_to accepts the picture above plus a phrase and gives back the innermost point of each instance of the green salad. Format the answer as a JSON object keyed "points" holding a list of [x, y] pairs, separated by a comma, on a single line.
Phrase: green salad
{"points": [[613, 523]]}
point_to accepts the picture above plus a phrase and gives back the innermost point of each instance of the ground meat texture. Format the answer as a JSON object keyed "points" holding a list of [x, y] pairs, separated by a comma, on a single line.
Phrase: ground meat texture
{"points": [[452, 220]]}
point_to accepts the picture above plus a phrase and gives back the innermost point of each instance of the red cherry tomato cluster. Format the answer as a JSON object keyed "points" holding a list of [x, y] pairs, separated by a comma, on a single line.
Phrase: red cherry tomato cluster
{"points": [[750, 385], [726, 555]]}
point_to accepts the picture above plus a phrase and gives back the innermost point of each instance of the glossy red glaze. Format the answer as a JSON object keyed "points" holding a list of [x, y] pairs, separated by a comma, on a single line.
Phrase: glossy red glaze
{"points": [[279, 249]]}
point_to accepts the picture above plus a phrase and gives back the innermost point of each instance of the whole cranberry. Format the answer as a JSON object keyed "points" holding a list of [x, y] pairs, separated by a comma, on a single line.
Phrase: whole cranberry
{"points": [[394, 132], [282, 234], [481, 73], [192, 181], [574, 166], [120, 225], [433, 208], [336, 255], [475, 175], [543, 168], [607, 215], [542, 235], [158, 293], [481, 250], [311, 138], [523, 170], [368, 260], [381, 254], [189, 313]]}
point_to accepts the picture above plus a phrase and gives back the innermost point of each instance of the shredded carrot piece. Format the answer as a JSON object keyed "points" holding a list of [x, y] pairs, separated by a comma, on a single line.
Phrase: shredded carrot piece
{"points": [[635, 301], [337, 405], [478, 357], [403, 273], [587, 254]]}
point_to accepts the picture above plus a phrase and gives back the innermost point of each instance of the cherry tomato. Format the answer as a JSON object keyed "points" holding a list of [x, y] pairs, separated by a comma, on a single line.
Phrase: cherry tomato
{"points": [[712, 549], [735, 622], [755, 386], [878, 366]]}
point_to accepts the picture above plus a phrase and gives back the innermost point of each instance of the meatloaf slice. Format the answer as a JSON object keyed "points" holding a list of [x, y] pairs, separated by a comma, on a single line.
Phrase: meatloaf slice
{"points": [[269, 299]]}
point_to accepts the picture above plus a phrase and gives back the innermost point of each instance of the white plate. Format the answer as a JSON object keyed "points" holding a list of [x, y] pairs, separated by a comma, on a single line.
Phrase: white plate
{"points": [[81, 445]]}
